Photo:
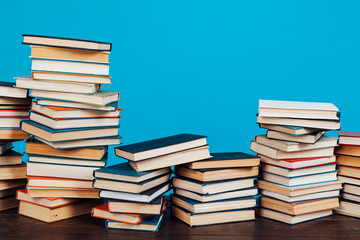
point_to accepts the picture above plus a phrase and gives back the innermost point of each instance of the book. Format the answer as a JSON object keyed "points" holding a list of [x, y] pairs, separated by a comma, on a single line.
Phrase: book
{"points": [[93, 142], [63, 192], [10, 192], [350, 161], [352, 189], [23, 195], [70, 77], [11, 122], [99, 98], [13, 134], [49, 215], [349, 180], [60, 170], [161, 146], [154, 208], [65, 113], [202, 219], [287, 146], [151, 224], [13, 172], [10, 158], [293, 130], [226, 160], [68, 161], [91, 153], [8, 89], [10, 109], [212, 187], [58, 103], [298, 172], [122, 186], [14, 112], [13, 102], [247, 192], [173, 159], [297, 122], [349, 150], [53, 182], [216, 174], [103, 212], [299, 162], [349, 171], [74, 122], [69, 54], [294, 109], [290, 219], [51, 65], [295, 181], [350, 197], [60, 42], [123, 172], [9, 184], [306, 138], [28, 83], [299, 208], [278, 154], [145, 197], [306, 197], [217, 206], [68, 134], [348, 208], [5, 147], [8, 203], [349, 138], [299, 190]]}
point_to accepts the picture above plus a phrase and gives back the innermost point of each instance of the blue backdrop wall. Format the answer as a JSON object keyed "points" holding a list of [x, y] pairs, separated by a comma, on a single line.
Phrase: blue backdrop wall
{"points": [[201, 66]]}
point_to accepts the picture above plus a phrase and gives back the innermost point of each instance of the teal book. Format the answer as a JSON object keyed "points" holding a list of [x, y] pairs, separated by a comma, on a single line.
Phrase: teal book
{"points": [[99, 98], [151, 224], [124, 172], [67, 134]]}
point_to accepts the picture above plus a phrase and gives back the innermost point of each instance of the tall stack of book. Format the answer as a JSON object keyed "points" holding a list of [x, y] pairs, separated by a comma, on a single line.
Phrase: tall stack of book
{"points": [[216, 190], [299, 178], [135, 189], [348, 157], [72, 122], [14, 107]]}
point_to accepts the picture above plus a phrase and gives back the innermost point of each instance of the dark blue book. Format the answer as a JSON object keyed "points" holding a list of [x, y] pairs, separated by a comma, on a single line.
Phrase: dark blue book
{"points": [[216, 206], [124, 172], [151, 224], [160, 146], [212, 187], [68, 134]]}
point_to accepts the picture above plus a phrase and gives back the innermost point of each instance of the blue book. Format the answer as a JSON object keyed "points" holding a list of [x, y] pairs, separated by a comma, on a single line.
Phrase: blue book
{"points": [[216, 206], [68, 134], [212, 187], [151, 224], [67, 161], [124, 172]]}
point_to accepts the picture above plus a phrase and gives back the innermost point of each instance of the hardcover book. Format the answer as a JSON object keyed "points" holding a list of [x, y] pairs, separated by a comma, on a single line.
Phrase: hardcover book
{"points": [[70, 77], [151, 224], [154, 208], [8, 89], [296, 131]]}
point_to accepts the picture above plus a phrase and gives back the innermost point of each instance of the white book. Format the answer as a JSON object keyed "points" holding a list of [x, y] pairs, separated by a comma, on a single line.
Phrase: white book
{"points": [[309, 179], [300, 163], [298, 172], [298, 122], [93, 142], [70, 77], [312, 196]]}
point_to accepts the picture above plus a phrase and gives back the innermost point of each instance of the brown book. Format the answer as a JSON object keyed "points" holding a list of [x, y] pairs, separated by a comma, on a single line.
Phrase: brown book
{"points": [[39, 148], [7, 184], [348, 150], [217, 175], [49, 215], [69, 54], [8, 203], [13, 172], [13, 134], [348, 160], [301, 207], [349, 171]]}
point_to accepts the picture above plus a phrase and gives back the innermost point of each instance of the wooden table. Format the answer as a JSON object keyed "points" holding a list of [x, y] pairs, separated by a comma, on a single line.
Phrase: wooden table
{"points": [[14, 226]]}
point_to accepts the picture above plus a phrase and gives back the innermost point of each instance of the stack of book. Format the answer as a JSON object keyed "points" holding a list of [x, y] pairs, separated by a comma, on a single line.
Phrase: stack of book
{"points": [[217, 190], [348, 157], [135, 189], [299, 177], [72, 122], [14, 107]]}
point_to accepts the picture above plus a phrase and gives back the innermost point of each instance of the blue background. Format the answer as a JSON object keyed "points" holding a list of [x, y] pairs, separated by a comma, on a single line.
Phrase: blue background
{"points": [[201, 66]]}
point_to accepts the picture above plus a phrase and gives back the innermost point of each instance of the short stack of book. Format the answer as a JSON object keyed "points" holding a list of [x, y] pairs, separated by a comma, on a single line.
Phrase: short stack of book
{"points": [[135, 189], [298, 167], [348, 157], [72, 122], [216, 190], [14, 107]]}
